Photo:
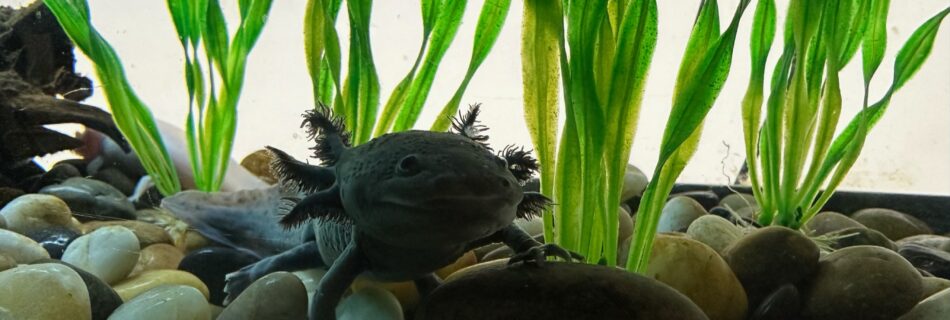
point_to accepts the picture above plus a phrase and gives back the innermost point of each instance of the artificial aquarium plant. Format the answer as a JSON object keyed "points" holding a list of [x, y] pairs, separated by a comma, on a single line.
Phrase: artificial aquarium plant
{"points": [[356, 96], [131, 116], [603, 65], [804, 101], [210, 125], [213, 97]]}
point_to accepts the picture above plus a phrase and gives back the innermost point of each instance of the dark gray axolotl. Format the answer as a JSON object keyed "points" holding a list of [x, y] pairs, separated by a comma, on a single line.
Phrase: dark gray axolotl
{"points": [[400, 206]]}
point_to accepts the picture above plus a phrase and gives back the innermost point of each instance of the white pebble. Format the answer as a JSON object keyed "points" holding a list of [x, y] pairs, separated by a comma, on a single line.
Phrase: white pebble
{"points": [[110, 253], [20, 248], [165, 302]]}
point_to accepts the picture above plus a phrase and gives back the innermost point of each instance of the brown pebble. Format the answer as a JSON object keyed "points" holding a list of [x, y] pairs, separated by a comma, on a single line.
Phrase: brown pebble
{"points": [[157, 257], [147, 233]]}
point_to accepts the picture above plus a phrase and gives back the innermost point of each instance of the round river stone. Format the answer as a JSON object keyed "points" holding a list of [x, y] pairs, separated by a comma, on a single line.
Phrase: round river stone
{"points": [[556, 290], [770, 257], [862, 282], [212, 264]]}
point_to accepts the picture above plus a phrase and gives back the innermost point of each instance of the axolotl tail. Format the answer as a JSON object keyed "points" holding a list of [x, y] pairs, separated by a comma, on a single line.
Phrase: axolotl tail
{"points": [[246, 220]]}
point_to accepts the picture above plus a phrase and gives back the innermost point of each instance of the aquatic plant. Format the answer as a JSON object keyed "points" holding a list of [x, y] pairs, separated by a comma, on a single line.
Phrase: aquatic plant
{"points": [[703, 71], [804, 102], [212, 107], [131, 115], [603, 65], [356, 97]]}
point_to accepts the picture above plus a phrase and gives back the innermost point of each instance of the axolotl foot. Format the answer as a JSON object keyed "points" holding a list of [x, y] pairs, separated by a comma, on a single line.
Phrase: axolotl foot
{"points": [[537, 255]]}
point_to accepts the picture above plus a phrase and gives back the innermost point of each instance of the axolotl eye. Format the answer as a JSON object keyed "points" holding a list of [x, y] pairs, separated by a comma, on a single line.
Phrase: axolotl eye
{"points": [[408, 166]]}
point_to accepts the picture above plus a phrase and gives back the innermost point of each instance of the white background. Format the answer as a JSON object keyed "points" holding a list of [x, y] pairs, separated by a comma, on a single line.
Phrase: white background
{"points": [[908, 151]]}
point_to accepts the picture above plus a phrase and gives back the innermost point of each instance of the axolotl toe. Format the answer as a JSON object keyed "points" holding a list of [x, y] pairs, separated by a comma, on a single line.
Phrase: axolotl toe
{"points": [[400, 206]]}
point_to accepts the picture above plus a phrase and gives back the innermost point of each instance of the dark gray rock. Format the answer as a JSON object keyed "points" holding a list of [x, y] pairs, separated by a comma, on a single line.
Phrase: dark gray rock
{"points": [[707, 199], [257, 302], [862, 282], [782, 304], [117, 179], [102, 298], [734, 217], [771, 257], [90, 199], [77, 163], [211, 264], [861, 236], [57, 174], [736, 201], [678, 214], [936, 262], [829, 221], [556, 290], [113, 156], [54, 239], [634, 183], [895, 225], [19, 171], [7, 194], [928, 240]]}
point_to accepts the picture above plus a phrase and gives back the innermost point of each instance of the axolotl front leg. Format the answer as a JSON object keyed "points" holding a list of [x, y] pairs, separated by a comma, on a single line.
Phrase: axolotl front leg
{"points": [[350, 264], [526, 249], [341, 275]]}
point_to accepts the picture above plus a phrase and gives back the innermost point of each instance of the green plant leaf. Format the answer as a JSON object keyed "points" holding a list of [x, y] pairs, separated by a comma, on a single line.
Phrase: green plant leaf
{"points": [[446, 26], [636, 41], [314, 35], [361, 89], [763, 33], [691, 102], [430, 12], [585, 114], [916, 50], [490, 22], [132, 117], [540, 33], [216, 36], [846, 147], [872, 48]]}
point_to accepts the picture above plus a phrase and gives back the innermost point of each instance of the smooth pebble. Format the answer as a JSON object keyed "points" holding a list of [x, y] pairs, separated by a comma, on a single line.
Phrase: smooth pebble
{"points": [[862, 282], [678, 213], [697, 271], [6, 262], [147, 233], [166, 302], [157, 257], [109, 253], [935, 307], [92, 197], [257, 302], [102, 299], [212, 264], [54, 239], [369, 303], [45, 291], [20, 248], [894, 224], [715, 231], [131, 287], [32, 212]]}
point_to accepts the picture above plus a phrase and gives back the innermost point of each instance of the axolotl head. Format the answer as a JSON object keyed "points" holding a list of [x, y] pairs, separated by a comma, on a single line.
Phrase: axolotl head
{"points": [[416, 187]]}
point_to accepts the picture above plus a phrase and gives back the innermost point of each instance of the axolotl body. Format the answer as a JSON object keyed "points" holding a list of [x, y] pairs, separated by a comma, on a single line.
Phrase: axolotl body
{"points": [[400, 206]]}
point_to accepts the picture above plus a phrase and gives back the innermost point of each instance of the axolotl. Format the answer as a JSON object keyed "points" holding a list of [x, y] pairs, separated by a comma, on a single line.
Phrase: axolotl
{"points": [[400, 206]]}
